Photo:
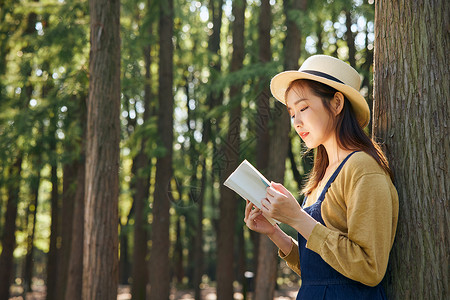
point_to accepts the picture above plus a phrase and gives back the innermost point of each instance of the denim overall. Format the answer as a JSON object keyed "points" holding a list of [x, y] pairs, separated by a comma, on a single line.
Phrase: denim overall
{"points": [[319, 279]]}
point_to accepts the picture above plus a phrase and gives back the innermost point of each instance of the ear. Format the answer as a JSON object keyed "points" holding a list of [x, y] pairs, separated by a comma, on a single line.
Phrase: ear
{"points": [[337, 103]]}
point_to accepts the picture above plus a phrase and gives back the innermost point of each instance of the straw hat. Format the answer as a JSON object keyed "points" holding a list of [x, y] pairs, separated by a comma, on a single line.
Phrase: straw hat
{"points": [[330, 71]]}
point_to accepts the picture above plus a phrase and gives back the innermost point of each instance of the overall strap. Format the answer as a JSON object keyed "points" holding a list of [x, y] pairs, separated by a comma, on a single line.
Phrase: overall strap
{"points": [[333, 177]]}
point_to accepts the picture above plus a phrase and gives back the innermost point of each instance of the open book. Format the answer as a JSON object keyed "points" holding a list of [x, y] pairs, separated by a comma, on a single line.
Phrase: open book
{"points": [[250, 184]]}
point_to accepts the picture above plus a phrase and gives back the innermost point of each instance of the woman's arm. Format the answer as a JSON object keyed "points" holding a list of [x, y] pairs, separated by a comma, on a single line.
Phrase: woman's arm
{"points": [[282, 240], [288, 247], [361, 253]]}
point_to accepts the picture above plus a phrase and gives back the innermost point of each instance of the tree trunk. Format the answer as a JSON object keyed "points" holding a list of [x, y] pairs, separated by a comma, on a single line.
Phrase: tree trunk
{"points": [[31, 217], [279, 142], [228, 199], [263, 110], [140, 220], [295, 172], [212, 101], [52, 257], [143, 162], [75, 265], [9, 231], [411, 109], [68, 198], [350, 38], [159, 259], [100, 265]]}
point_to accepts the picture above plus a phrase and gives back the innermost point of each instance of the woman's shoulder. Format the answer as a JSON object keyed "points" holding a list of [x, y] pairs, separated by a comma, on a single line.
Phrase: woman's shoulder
{"points": [[361, 163]]}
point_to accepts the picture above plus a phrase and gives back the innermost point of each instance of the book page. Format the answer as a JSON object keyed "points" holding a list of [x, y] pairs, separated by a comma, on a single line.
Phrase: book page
{"points": [[250, 184]]}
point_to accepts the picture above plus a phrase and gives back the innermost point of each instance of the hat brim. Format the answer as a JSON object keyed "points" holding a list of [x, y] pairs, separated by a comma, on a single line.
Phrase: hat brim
{"points": [[281, 81]]}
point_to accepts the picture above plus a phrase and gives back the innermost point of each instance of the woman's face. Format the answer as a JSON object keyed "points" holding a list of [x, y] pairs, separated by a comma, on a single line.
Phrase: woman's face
{"points": [[309, 116]]}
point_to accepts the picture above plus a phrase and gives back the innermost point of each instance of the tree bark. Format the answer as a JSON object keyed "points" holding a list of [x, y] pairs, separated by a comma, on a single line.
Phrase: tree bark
{"points": [[228, 199], [350, 38], [411, 109], [100, 264], [159, 258], [212, 101], [74, 283], [31, 218], [263, 109], [140, 272], [52, 257], [9, 233], [279, 142], [68, 198]]}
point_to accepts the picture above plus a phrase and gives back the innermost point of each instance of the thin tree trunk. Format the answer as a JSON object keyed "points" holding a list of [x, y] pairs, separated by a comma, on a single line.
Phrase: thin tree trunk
{"points": [[68, 198], [159, 258], [350, 37], [100, 264], [411, 114], [297, 176], [75, 265], [263, 110], [212, 101], [140, 277], [279, 142], [52, 262], [31, 216], [228, 199], [140, 267], [9, 233]]}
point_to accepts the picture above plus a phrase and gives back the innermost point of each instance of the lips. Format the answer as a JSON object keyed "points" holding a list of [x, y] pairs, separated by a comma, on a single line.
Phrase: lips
{"points": [[303, 135]]}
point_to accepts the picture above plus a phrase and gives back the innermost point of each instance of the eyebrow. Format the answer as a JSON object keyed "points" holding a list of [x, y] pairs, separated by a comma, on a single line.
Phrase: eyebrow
{"points": [[296, 102]]}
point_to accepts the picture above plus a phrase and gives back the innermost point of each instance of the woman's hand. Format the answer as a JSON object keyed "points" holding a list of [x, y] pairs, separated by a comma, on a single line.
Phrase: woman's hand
{"points": [[281, 205], [256, 221]]}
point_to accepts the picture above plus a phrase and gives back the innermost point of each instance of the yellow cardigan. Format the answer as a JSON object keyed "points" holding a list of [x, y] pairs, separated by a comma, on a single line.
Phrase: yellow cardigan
{"points": [[360, 211]]}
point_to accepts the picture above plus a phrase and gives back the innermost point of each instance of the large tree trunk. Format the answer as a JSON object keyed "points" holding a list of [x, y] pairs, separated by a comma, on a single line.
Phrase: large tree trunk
{"points": [[278, 151], [159, 258], [9, 230], [411, 109], [75, 264], [228, 199], [100, 264]]}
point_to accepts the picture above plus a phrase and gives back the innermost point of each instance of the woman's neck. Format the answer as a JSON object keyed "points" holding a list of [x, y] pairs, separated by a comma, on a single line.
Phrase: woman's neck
{"points": [[335, 153]]}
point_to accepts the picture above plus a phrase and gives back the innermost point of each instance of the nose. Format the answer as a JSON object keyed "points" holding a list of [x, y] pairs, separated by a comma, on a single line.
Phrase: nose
{"points": [[296, 121]]}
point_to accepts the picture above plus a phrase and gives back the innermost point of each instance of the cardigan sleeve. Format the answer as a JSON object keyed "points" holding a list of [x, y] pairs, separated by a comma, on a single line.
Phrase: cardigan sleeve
{"points": [[292, 259], [362, 252]]}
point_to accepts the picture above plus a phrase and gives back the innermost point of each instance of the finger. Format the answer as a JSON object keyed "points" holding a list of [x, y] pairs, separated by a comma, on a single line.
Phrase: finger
{"points": [[274, 192], [265, 204], [248, 209], [270, 191], [253, 215], [280, 188]]}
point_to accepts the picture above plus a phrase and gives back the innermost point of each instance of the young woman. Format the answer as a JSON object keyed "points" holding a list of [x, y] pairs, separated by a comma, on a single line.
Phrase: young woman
{"points": [[347, 223]]}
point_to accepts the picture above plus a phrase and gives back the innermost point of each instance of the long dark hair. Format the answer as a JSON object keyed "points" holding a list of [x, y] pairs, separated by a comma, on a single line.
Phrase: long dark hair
{"points": [[350, 135]]}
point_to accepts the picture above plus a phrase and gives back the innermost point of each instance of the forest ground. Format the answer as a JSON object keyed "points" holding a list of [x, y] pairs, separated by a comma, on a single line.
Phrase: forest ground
{"points": [[209, 293]]}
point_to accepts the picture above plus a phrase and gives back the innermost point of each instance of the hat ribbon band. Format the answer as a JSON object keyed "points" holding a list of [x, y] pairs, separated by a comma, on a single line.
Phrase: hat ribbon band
{"points": [[321, 74]]}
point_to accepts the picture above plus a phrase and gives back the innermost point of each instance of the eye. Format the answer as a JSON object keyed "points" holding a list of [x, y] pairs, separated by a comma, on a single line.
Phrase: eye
{"points": [[304, 108], [293, 117]]}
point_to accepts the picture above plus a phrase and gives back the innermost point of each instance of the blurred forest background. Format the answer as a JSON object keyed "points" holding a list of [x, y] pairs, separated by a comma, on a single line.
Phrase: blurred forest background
{"points": [[193, 103]]}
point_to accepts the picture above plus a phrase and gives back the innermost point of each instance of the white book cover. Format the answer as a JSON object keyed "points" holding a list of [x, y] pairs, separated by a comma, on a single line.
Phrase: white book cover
{"points": [[250, 184]]}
